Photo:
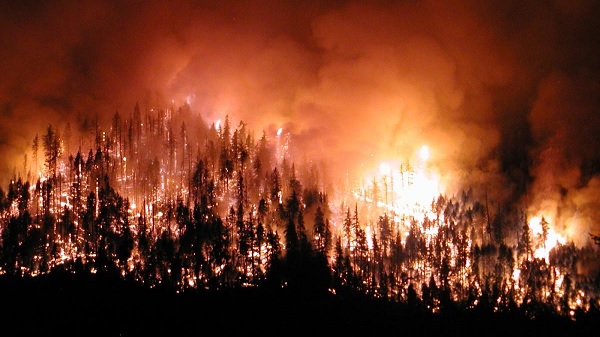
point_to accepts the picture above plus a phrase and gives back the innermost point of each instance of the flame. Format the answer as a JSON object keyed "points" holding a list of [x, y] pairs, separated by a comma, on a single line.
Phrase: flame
{"points": [[424, 153], [402, 188], [406, 189], [543, 244]]}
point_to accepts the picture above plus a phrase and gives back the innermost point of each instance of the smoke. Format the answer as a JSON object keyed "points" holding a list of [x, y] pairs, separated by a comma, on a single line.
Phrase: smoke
{"points": [[505, 94], [565, 159]]}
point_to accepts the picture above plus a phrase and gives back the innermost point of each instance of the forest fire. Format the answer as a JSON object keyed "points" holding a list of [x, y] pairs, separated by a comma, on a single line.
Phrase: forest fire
{"points": [[230, 210], [548, 237], [406, 197], [346, 147], [403, 188]]}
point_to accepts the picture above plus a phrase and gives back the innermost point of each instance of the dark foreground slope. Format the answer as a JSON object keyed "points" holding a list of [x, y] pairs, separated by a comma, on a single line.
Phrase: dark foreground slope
{"points": [[85, 305]]}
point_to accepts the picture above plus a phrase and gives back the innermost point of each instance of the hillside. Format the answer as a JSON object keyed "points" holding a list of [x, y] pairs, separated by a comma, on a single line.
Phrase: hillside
{"points": [[69, 304]]}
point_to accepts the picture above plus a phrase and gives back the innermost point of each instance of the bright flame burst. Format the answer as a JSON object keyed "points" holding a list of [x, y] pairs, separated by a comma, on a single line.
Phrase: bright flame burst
{"points": [[546, 237], [402, 187]]}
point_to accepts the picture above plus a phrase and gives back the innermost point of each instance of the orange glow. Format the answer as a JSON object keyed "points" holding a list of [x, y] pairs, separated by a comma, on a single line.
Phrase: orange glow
{"points": [[403, 188], [543, 246]]}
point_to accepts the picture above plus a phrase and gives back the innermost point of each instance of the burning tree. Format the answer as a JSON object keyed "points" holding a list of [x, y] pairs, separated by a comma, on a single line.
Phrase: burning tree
{"points": [[212, 207]]}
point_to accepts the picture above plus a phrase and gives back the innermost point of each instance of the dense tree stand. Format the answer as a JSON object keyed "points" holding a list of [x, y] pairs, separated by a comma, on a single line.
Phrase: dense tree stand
{"points": [[73, 305]]}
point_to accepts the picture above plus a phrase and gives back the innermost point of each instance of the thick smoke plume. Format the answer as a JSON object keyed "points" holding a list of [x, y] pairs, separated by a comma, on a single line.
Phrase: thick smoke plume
{"points": [[505, 94]]}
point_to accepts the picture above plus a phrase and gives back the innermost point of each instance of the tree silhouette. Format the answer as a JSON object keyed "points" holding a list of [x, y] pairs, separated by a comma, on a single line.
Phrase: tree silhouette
{"points": [[52, 149], [210, 207]]}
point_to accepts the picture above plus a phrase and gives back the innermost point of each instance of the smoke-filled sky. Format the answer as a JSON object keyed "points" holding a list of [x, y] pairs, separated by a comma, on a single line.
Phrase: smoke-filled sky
{"points": [[505, 93]]}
